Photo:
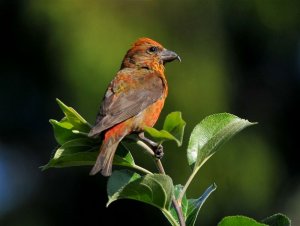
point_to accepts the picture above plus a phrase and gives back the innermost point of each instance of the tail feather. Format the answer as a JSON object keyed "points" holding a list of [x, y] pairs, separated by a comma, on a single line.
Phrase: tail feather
{"points": [[108, 148], [105, 159]]}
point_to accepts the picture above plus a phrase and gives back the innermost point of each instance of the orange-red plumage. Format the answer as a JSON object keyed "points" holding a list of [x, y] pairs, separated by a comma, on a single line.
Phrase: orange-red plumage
{"points": [[133, 100]]}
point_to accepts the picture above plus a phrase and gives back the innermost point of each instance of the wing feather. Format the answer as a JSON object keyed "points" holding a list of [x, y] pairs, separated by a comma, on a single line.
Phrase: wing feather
{"points": [[128, 94]]}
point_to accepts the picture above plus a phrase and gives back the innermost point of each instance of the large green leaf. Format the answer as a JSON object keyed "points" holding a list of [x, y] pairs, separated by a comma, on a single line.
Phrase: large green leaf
{"points": [[278, 219], [239, 220], [77, 148], [210, 134], [173, 129], [153, 189], [77, 152], [84, 152], [71, 126]]}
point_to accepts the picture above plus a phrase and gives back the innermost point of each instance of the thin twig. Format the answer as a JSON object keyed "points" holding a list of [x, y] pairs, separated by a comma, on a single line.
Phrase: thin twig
{"points": [[141, 169], [159, 166], [145, 147]]}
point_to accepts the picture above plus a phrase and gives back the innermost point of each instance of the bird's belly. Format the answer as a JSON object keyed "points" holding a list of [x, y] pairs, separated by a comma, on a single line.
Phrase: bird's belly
{"points": [[149, 116]]}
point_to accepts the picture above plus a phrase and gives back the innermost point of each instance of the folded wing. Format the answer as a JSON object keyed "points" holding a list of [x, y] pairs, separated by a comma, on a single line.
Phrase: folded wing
{"points": [[128, 94]]}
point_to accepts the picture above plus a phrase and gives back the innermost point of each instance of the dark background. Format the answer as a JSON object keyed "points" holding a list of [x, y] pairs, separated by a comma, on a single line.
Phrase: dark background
{"points": [[241, 57]]}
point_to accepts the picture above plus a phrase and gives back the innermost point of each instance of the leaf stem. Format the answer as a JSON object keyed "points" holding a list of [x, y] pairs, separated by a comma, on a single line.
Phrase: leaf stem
{"points": [[162, 171], [145, 147], [188, 182], [141, 169]]}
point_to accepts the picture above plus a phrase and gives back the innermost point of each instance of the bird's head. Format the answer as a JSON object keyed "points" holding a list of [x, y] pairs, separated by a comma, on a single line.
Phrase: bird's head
{"points": [[147, 53]]}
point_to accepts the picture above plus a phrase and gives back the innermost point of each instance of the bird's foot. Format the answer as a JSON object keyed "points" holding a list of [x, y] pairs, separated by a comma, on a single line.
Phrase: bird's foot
{"points": [[157, 149]]}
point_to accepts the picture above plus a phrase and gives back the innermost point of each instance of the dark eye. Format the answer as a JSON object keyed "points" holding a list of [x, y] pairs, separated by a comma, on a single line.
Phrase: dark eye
{"points": [[152, 49]]}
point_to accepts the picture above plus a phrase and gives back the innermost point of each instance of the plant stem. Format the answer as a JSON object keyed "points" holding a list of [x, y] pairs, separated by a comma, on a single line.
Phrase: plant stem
{"points": [[162, 171], [137, 167], [186, 186], [145, 147], [159, 166], [141, 169], [178, 211]]}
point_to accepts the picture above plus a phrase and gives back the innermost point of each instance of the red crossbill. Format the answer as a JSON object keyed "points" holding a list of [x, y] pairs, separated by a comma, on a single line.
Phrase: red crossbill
{"points": [[133, 99]]}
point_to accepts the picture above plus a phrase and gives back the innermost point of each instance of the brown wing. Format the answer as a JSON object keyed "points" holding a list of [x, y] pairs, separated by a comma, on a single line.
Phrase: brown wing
{"points": [[128, 94]]}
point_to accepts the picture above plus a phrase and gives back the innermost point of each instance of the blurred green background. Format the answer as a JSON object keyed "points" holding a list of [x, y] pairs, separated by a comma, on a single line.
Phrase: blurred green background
{"points": [[241, 57]]}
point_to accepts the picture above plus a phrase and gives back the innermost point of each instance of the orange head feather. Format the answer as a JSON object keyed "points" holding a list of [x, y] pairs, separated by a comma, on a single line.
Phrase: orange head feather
{"points": [[149, 54], [143, 41]]}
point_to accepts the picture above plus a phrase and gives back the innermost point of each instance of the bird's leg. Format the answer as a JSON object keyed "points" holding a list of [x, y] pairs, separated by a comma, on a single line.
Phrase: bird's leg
{"points": [[157, 148]]}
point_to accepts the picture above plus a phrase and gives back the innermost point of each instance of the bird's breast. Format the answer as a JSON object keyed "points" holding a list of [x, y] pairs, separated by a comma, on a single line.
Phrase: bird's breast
{"points": [[149, 116]]}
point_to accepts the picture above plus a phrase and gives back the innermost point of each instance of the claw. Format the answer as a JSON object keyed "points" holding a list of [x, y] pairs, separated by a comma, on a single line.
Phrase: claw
{"points": [[159, 151], [156, 148]]}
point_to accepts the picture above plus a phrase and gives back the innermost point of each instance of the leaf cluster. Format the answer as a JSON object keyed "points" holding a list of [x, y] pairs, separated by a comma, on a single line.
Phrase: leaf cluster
{"points": [[156, 189]]}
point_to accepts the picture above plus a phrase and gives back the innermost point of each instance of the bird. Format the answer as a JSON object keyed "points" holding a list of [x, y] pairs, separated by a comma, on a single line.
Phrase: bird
{"points": [[133, 100]]}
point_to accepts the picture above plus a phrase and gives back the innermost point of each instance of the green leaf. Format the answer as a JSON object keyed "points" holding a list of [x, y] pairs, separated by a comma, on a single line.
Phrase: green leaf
{"points": [[73, 116], [175, 125], [210, 134], [173, 129], [64, 131], [77, 152], [278, 219], [194, 205], [123, 157], [117, 182], [72, 126], [160, 135], [84, 152], [153, 189], [238, 221]]}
